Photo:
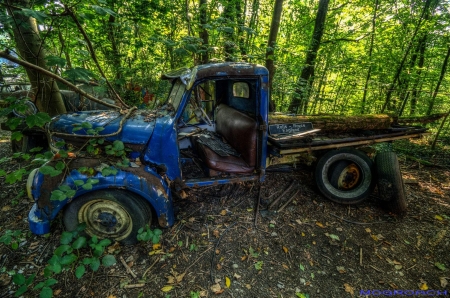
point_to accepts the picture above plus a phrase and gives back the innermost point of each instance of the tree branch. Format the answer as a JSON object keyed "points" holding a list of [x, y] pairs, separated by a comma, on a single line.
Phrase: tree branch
{"points": [[93, 55], [6, 55]]}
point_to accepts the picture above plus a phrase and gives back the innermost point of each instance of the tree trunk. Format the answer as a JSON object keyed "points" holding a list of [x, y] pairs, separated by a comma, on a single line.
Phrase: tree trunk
{"points": [[274, 28], [392, 86], [369, 71], [203, 32], [306, 80], [229, 14], [441, 77], [415, 92], [29, 44]]}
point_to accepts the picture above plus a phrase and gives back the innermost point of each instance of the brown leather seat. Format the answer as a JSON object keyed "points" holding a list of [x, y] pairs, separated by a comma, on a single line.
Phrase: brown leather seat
{"points": [[239, 131]]}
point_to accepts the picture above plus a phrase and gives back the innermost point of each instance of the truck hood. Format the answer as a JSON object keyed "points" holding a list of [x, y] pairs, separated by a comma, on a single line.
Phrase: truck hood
{"points": [[137, 129]]}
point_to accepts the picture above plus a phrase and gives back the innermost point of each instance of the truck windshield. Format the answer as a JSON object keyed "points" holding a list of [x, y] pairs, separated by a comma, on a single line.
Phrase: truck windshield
{"points": [[174, 99]]}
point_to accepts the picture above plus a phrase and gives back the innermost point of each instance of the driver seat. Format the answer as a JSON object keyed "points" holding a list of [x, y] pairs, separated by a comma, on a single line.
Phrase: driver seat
{"points": [[237, 130]]}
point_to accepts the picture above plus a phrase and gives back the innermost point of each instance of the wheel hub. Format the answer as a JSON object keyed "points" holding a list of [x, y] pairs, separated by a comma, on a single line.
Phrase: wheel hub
{"points": [[106, 219], [349, 177]]}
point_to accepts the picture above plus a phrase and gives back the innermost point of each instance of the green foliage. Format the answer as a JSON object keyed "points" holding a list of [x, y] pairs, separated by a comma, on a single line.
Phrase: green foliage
{"points": [[116, 149], [258, 265], [12, 238], [37, 120], [23, 283], [15, 176], [146, 234]]}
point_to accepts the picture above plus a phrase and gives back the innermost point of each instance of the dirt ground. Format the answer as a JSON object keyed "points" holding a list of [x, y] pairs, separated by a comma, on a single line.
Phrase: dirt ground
{"points": [[311, 248]]}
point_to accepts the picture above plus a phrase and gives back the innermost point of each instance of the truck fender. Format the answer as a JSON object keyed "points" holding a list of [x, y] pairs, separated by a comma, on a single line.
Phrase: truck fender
{"points": [[143, 181]]}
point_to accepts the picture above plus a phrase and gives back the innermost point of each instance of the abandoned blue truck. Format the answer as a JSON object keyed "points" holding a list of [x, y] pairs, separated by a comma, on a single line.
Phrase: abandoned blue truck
{"points": [[212, 129]]}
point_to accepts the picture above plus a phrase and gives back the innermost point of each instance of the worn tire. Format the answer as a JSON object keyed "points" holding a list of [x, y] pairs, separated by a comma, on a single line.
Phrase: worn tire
{"points": [[345, 176], [113, 214], [391, 190]]}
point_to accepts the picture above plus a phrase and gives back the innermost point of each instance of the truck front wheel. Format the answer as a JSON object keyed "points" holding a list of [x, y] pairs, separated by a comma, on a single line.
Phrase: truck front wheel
{"points": [[345, 176], [113, 214]]}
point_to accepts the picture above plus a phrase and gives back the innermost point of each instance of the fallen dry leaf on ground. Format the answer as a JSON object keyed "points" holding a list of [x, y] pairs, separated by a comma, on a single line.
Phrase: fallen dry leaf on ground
{"points": [[443, 281], [349, 289]]}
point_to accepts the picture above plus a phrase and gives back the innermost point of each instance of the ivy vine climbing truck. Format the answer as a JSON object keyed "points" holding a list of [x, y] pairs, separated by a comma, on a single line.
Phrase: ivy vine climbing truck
{"points": [[116, 171]]}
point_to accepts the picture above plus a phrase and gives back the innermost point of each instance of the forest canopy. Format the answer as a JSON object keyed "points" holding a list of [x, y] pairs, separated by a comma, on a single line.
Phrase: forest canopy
{"points": [[327, 56]]}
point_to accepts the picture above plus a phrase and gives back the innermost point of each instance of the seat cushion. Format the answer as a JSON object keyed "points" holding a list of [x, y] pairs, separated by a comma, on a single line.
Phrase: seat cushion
{"points": [[228, 164], [239, 130]]}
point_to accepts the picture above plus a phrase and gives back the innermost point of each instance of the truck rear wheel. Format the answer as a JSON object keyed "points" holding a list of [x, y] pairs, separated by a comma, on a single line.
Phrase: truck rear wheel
{"points": [[345, 176], [391, 190], [113, 214]]}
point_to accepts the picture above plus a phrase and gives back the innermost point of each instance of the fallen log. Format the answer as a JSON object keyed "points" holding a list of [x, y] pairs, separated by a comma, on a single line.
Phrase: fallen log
{"points": [[337, 122], [420, 119]]}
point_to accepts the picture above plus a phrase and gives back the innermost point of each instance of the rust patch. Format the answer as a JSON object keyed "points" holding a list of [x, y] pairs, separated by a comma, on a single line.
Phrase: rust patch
{"points": [[162, 220]]}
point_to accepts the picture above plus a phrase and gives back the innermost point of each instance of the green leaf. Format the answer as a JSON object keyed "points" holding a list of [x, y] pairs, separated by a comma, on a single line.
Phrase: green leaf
{"points": [[64, 187], [440, 266], [38, 119], [334, 237], [104, 242], [78, 182], [87, 186], [12, 123], [15, 176], [21, 290], [60, 166], [61, 249], [302, 268], [55, 268], [95, 264], [30, 279], [39, 286], [50, 282], [118, 145], [79, 243], [68, 259], [108, 260], [109, 171], [16, 136], [19, 279], [77, 128], [55, 61], [49, 170], [86, 125], [58, 195], [79, 272], [2, 173], [258, 265], [66, 237], [46, 292]]}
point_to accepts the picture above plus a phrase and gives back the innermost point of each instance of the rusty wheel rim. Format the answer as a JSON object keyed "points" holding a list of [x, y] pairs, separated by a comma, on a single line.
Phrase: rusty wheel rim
{"points": [[349, 177]]}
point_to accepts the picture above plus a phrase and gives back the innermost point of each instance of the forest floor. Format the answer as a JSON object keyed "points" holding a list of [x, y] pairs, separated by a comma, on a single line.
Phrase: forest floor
{"points": [[312, 248]]}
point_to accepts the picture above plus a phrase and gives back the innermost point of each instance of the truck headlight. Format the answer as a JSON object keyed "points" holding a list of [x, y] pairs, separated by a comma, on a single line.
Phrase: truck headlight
{"points": [[30, 183]]}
